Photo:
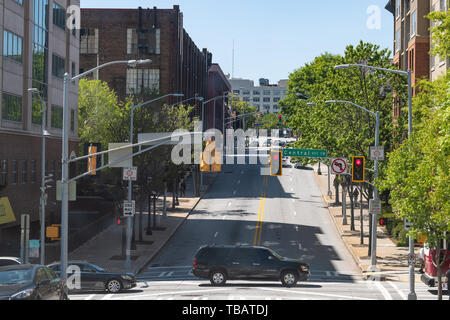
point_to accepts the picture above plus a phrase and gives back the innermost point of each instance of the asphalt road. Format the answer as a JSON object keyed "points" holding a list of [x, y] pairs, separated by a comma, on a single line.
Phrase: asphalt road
{"points": [[284, 213]]}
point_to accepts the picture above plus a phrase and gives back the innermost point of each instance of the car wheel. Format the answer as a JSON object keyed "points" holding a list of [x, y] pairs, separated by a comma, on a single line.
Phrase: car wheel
{"points": [[289, 278], [218, 278], [114, 286]]}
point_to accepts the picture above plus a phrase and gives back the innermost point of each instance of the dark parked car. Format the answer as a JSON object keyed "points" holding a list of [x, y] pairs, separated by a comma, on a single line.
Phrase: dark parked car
{"points": [[95, 278], [222, 263], [9, 261], [30, 282]]}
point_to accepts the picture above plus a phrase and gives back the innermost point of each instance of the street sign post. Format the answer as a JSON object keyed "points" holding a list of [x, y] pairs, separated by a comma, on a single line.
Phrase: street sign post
{"points": [[407, 224], [377, 153], [129, 208], [339, 166], [305, 153], [375, 207], [130, 174]]}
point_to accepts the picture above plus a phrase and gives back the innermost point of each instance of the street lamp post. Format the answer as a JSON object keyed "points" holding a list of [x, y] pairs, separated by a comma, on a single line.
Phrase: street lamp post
{"points": [[375, 191], [43, 177], [130, 183], [411, 295], [65, 157]]}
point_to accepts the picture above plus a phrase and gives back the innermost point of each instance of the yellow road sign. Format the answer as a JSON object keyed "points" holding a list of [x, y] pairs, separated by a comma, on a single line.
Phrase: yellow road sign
{"points": [[6, 211]]}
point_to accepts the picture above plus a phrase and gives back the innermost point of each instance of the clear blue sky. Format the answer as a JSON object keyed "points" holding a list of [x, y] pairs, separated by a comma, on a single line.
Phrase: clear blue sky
{"points": [[272, 38]]}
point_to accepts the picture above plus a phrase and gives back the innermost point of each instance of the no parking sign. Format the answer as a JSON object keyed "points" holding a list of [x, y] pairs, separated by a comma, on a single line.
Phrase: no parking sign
{"points": [[339, 166]]}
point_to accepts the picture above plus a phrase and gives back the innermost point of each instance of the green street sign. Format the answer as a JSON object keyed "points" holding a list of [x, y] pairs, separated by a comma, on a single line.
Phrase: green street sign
{"points": [[305, 153]]}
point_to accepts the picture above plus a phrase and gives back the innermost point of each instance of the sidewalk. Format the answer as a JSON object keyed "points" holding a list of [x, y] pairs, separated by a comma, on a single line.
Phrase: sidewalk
{"points": [[105, 249], [392, 261]]}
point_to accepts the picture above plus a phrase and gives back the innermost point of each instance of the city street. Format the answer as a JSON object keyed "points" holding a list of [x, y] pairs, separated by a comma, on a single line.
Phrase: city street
{"points": [[296, 224]]}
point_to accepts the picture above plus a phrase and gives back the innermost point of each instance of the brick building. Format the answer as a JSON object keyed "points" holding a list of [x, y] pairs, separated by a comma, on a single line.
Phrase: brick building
{"points": [[217, 111], [38, 49], [124, 34]]}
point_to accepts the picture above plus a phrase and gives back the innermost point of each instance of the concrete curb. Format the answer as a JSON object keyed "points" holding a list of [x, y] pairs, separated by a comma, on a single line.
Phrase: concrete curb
{"points": [[161, 247], [355, 257]]}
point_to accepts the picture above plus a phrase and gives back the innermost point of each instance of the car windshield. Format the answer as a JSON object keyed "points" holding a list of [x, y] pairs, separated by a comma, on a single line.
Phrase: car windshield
{"points": [[12, 277], [276, 255], [97, 268]]}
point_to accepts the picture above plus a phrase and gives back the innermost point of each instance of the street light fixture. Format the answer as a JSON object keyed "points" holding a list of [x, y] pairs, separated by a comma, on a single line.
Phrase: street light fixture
{"points": [[65, 157], [130, 183], [411, 295], [196, 98], [375, 191], [43, 177]]}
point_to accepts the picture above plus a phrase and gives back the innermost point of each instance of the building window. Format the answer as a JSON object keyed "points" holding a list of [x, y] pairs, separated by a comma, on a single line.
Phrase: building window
{"points": [[57, 117], [276, 99], [148, 41], [132, 42], [139, 79], [89, 41], [15, 172], [443, 5], [266, 99], [74, 69], [37, 108], [276, 93], [12, 107], [33, 171], [397, 8], [237, 92], [3, 172], [256, 92], [24, 171], [247, 99], [256, 99], [246, 92], [413, 23], [12, 46], [53, 172], [72, 120], [267, 92], [59, 16], [58, 66], [19, 2], [397, 40]]}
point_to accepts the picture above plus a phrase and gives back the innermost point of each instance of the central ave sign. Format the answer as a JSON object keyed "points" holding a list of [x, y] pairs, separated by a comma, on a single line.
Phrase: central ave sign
{"points": [[305, 153]]}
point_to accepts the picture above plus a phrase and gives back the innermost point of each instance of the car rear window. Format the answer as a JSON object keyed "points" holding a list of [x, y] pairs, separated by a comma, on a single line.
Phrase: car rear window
{"points": [[212, 254]]}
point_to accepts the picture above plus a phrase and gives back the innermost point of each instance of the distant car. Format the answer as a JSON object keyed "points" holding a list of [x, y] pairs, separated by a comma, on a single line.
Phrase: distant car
{"points": [[30, 282], [10, 261], [222, 263], [285, 161], [95, 278]]}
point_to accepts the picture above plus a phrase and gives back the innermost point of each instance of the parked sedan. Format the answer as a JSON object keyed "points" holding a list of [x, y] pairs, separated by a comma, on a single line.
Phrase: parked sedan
{"points": [[95, 278], [10, 261], [30, 282]]}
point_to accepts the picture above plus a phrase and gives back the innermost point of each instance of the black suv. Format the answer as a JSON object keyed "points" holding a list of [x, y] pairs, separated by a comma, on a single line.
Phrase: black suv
{"points": [[222, 263]]}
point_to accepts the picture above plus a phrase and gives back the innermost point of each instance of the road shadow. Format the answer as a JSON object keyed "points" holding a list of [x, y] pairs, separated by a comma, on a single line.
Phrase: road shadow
{"points": [[260, 285]]}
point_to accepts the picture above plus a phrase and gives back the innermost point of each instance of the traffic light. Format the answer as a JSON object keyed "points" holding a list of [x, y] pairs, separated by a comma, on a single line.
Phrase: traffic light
{"points": [[121, 221], [358, 169], [383, 221], [276, 163]]}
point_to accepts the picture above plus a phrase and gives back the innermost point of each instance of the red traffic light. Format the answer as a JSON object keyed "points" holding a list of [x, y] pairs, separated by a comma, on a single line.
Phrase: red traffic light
{"points": [[383, 221], [358, 162]]}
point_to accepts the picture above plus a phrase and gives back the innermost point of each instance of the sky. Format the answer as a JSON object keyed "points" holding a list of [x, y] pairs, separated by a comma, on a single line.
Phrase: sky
{"points": [[274, 38]]}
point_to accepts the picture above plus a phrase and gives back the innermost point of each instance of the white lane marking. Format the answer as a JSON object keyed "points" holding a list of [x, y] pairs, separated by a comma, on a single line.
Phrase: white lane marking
{"points": [[299, 246], [291, 292], [107, 297], [217, 233], [293, 200], [170, 274], [229, 204], [401, 294], [384, 292], [295, 213], [176, 293], [234, 192], [163, 274], [90, 297]]}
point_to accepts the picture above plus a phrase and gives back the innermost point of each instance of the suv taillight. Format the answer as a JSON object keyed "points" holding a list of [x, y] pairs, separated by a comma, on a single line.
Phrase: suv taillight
{"points": [[195, 263]]}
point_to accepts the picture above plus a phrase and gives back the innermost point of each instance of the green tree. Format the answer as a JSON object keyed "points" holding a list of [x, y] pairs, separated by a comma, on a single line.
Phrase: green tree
{"points": [[440, 33], [242, 108], [418, 171]]}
